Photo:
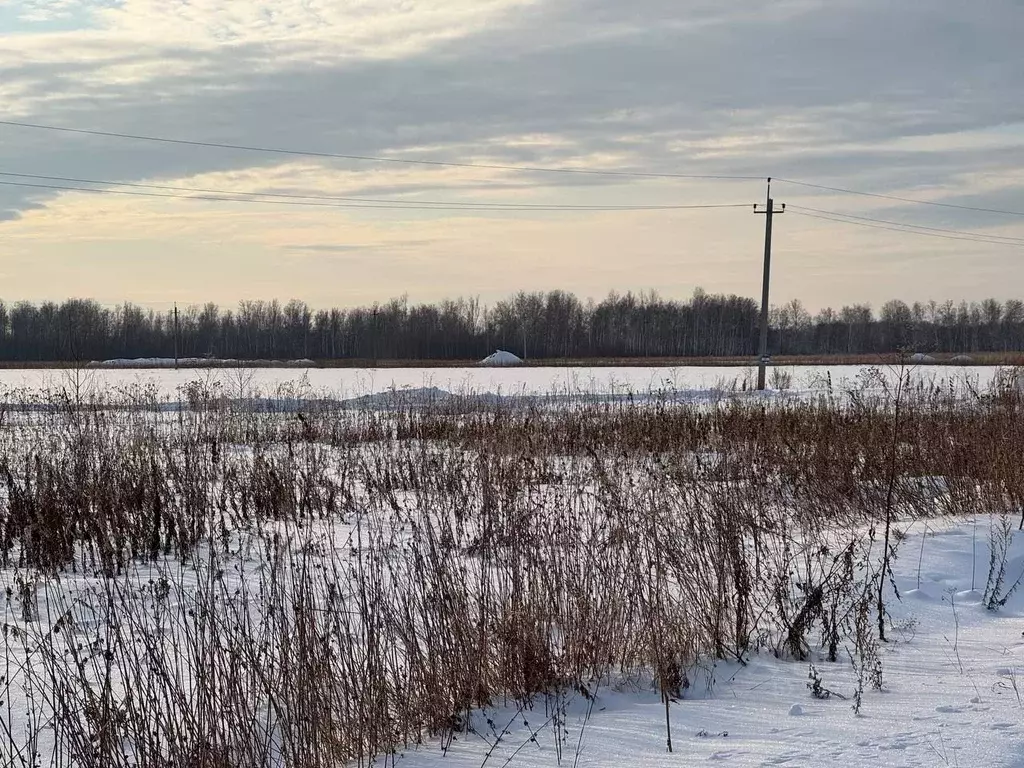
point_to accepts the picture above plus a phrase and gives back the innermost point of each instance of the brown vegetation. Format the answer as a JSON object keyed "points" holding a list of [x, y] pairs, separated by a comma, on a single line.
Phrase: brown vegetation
{"points": [[219, 587]]}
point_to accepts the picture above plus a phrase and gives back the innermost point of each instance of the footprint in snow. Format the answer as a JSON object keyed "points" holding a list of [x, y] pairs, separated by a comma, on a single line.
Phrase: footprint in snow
{"points": [[726, 755], [897, 745], [783, 759], [949, 709]]}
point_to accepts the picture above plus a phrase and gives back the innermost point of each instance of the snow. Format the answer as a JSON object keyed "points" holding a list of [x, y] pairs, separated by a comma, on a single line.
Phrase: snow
{"points": [[416, 397], [952, 693], [341, 383], [501, 357], [921, 357]]}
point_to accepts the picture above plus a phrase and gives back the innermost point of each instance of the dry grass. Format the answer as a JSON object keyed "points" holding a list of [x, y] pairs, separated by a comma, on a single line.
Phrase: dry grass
{"points": [[221, 587]]}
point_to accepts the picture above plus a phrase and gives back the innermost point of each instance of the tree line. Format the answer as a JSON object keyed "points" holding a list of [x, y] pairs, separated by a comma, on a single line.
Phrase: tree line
{"points": [[555, 324]]}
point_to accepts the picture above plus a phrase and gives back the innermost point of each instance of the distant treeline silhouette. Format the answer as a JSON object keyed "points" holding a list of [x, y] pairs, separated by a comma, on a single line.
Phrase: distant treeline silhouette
{"points": [[535, 325]]}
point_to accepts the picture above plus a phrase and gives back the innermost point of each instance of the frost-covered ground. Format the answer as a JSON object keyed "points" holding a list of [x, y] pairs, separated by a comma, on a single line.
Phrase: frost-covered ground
{"points": [[952, 695]]}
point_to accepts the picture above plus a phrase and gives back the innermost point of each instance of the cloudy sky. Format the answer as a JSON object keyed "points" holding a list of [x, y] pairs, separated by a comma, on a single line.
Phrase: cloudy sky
{"points": [[919, 100]]}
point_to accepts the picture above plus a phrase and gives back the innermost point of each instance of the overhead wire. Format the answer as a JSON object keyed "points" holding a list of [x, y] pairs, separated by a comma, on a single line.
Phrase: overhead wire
{"points": [[231, 197], [898, 198], [836, 218], [376, 159], [494, 166], [332, 201], [338, 198], [294, 196], [1008, 238]]}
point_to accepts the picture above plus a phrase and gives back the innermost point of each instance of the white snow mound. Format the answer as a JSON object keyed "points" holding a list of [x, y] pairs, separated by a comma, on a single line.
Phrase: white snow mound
{"points": [[921, 357], [501, 357]]}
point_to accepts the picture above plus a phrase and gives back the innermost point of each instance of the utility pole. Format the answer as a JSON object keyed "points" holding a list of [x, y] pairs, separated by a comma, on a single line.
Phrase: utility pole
{"points": [[373, 337], [175, 335], [769, 211]]}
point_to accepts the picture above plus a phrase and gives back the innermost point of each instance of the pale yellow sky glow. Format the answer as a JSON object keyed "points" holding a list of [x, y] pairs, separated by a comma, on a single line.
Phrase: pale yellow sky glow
{"points": [[566, 83]]}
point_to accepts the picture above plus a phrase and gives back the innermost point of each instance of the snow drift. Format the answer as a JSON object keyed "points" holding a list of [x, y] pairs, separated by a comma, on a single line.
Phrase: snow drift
{"points": [[501, 357]]}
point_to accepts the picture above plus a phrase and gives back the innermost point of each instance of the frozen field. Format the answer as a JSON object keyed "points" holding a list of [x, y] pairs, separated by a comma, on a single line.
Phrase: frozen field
{"points": [[345, 382], [951, 696], [784, 581]]}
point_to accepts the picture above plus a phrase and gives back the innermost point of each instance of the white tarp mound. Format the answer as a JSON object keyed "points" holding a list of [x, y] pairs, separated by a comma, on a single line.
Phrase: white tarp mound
{"points": [[501, 357]]}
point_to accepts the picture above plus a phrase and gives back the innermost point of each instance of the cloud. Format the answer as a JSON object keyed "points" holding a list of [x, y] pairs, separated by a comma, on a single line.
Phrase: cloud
{"points": [[392, 245], [912, 99], [596, 77]]}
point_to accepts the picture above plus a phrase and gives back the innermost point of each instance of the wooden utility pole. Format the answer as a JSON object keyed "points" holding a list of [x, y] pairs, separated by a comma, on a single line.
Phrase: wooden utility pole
{"points": [[373, 337], [769, 211], [175, 335]]}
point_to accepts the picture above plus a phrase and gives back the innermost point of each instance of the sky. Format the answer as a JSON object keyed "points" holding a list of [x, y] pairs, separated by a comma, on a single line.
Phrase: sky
{"points": [[913, 100]]}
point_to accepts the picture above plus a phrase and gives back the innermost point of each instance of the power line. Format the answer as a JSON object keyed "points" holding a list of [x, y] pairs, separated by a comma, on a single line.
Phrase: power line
{"points": [[906, 231], [372, 158], [1009, 238], [493, 166], [389, 206], [900, 199], [292, 196]]}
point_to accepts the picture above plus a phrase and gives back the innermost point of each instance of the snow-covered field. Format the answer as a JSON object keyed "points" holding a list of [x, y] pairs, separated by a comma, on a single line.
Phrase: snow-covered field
{"points": [[952, 693], [789, 581], [349, 382], [952, 689]]}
